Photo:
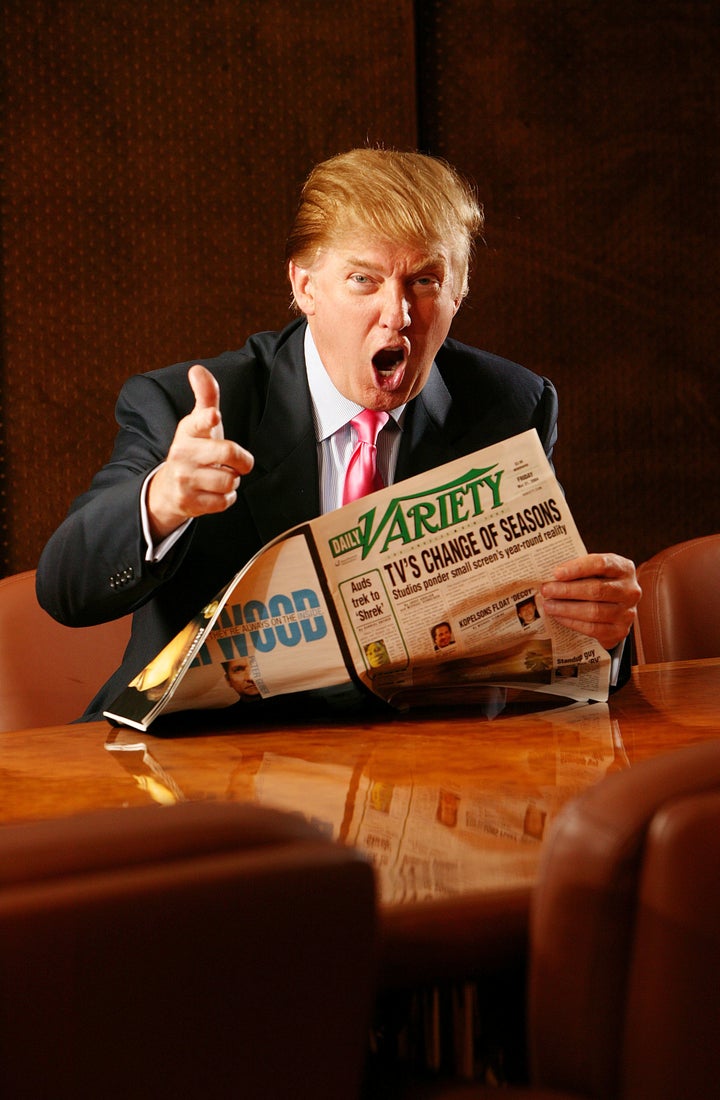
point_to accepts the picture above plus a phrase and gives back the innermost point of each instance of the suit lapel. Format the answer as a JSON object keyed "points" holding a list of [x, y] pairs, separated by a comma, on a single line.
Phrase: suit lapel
{"points": [[282, 490], [429, 431]]}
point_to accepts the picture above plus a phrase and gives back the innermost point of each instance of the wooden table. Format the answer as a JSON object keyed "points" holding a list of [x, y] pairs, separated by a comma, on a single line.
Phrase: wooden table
{"points": [[452, 808]]}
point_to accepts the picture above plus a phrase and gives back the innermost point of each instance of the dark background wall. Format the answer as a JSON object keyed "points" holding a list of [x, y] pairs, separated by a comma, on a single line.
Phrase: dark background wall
{"points": [[152, 157]]}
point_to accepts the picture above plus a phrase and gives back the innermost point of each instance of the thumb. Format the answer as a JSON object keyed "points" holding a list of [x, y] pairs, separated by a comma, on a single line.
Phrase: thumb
{"points": [[207, 397]]}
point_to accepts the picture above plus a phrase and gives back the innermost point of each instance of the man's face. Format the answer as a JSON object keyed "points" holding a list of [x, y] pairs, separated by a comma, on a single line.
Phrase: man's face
{"points": [[378, 313], [239, 678], [443, 636], [527, 612]]}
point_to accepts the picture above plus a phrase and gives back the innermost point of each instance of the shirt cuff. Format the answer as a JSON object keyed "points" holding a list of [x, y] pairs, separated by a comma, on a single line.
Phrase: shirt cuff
{"points": [[157, 553]]}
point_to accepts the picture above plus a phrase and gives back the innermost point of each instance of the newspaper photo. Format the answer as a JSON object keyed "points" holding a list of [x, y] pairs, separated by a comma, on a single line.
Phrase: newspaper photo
{"points": [[422, 593]]}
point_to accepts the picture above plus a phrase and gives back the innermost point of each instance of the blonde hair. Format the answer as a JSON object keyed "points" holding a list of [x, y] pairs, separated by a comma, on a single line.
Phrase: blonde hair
{"points": [[407, 198]]}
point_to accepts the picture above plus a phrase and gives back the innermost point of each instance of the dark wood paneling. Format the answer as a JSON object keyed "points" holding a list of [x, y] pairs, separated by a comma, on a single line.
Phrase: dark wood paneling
{"points": [[591, 129], [153, 153], [153, 157]]}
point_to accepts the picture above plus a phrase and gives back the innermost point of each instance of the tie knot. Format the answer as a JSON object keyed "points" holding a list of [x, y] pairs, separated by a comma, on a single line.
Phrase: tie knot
{"points": [[368, 424]]}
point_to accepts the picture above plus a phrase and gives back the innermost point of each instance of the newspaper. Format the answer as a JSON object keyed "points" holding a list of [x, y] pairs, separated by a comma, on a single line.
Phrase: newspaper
{"points": [[426, 592]]}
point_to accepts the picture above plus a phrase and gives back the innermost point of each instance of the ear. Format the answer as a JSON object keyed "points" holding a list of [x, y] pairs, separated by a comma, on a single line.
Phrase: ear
{"points": [[302, 287]]}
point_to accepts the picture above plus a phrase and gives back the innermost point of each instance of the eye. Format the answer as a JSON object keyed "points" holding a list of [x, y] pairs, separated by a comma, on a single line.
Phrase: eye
{"points": [[427, 282], [361, 283]]}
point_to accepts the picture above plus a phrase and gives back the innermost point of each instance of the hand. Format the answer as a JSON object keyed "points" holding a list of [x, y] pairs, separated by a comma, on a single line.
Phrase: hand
{"points": [[596, 595], [202, 470]]}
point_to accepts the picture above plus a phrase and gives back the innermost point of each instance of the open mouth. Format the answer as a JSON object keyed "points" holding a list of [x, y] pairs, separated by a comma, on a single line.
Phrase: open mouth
{"points": [[387, 360]]}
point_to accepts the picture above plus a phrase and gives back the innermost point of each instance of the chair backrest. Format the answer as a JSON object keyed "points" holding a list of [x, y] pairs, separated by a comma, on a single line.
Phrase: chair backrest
{"points": [[679, 613], [672, 1030], [200, 950], [604, 918], [49, 672]]}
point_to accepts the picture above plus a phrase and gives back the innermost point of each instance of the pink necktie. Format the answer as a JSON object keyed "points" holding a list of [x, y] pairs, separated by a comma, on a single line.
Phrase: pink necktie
{"points": [[362, 475]]}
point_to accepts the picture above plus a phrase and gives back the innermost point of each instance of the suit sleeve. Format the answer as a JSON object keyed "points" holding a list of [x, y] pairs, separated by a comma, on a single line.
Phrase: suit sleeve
{"points": [[546, 416], [93, 568]]}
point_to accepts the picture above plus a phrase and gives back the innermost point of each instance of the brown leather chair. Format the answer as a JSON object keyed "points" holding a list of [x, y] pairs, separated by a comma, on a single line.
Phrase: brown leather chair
{"points": [[48, 672], [624, 997], [201, 950], [679, 613]]}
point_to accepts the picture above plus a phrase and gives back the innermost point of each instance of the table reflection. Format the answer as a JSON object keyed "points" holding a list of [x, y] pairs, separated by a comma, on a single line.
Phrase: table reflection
{"points": [[445, 802], [682, 693], [437, 817]]}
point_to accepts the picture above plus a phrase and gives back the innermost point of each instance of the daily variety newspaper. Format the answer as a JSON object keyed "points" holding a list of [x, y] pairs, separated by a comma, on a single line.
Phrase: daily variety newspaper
{"points": [[425, 592]]}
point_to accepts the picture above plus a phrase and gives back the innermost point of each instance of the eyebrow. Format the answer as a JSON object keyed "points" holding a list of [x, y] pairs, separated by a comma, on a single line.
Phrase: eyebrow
{"points": [[357, 261], [430, 261]]}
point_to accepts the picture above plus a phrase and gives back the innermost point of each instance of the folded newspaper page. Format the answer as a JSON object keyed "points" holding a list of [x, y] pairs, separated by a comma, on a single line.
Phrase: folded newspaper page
{"points": [[426, 592]]}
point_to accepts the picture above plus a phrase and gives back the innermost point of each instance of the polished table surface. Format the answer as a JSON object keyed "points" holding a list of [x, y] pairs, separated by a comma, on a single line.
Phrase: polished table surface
{"points": [[451, 808]]}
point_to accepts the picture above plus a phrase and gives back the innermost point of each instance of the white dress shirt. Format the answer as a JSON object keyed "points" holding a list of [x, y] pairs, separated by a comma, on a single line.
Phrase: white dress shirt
{"points": [[336, 439]]}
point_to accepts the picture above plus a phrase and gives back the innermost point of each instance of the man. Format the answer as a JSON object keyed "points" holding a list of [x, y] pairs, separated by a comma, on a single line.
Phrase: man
{"points": [[527, 611], [238, 674], [212, 460], [442, 635]]}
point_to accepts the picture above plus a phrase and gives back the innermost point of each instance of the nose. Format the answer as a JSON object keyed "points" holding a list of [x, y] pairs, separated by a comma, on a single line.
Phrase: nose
{"points": [[395, 313]]}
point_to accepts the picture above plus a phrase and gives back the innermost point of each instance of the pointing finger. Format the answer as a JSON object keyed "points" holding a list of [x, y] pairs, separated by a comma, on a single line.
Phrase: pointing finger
{"points": [[207, 401]]}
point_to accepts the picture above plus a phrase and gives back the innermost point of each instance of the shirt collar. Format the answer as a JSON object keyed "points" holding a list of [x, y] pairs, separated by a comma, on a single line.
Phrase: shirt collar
{"points": [[331, 410]]}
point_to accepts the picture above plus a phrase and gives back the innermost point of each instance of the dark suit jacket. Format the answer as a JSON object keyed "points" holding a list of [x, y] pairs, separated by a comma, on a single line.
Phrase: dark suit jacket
{"points": [[94, 569]]}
